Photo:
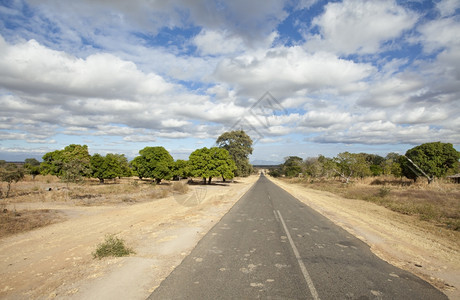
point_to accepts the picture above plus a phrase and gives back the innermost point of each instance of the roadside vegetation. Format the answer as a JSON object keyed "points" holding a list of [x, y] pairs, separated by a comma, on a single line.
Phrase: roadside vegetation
{"points": [[73, 176], [392, 181], [112, 246]]}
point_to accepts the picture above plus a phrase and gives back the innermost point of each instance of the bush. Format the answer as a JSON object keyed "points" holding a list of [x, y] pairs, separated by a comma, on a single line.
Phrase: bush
{"points": [[112, 246], [180, 187], [384, 191]]}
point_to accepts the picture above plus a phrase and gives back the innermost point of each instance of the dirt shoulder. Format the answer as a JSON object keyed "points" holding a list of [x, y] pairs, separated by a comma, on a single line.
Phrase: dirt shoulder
{"points": [[429, 252], [56, 261]]}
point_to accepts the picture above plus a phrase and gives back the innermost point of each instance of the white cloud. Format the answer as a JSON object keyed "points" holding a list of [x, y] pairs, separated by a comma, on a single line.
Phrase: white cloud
{"points": [[439, 34], [284, 71], [359, 26], [448, 7], [32, 68], [211, 42]]}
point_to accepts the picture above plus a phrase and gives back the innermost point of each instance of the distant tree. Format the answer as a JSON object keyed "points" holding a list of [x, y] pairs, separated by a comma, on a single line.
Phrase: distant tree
{"points": [[313, 167], [223, 162], [155, 163], [292, 166], [391, 166], [70, 164], [32, 167], [122, 161], [139, 167], [239, 146], [107, 167], [208, 163], [375, 162], [180, 169], [10, 173], [430, 160], [350, 165], [275, 172]]}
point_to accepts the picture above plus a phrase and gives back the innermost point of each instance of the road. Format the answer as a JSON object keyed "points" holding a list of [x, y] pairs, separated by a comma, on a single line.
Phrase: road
{"points": [[272, 246]]}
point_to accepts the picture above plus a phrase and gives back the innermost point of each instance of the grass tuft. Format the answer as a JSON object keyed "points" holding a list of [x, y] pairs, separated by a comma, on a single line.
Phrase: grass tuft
{"points": [[112, 246]]}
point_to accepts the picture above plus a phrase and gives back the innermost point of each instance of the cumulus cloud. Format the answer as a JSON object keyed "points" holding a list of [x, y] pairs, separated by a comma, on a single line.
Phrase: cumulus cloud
{"points": [[285, 70], [359, 26]]}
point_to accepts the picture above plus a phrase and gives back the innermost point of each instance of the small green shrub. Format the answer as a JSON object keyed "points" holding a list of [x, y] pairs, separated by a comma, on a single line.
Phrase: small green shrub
{"points": [[112, 246]]}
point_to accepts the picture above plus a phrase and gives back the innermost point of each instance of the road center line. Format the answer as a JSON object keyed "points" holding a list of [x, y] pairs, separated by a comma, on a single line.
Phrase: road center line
{"points": [[299, 260], [276, 216]]}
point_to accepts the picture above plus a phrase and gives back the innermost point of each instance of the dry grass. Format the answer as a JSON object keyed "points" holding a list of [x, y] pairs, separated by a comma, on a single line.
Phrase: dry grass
{"points": [[12, 222], [50, 189], [438, 202], [91, 192]]}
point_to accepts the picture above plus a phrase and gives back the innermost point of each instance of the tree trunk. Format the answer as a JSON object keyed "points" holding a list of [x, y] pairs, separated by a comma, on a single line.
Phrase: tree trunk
{"points": [[8, 189], [101, 180], [204, 180], [209, 180]]}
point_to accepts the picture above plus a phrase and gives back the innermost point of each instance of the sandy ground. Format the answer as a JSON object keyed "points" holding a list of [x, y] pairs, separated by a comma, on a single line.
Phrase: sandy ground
{"points": [[419, 247], [56, 261]]}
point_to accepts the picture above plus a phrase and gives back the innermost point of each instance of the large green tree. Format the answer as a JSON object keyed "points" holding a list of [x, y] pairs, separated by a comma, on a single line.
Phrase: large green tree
{"points": [[430, 160], [70, 164], [213, 162], [155, 163], [107, 167], [239, 146]]}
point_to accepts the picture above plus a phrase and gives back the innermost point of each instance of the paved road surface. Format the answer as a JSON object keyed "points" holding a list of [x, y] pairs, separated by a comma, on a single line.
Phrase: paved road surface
{"points": [[272, 246]]}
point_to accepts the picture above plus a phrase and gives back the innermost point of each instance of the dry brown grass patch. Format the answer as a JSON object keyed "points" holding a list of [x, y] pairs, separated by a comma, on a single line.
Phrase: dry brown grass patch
{"points": [[437, 203], [12, 222]]}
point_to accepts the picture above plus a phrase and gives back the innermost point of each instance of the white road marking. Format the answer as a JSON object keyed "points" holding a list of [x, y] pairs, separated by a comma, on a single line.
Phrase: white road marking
{"points": [[276, 216], [307, 277]]}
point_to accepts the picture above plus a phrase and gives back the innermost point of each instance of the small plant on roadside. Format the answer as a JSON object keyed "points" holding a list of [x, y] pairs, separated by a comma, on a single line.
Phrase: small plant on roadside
{"points": [[180, 187], [112, 246], [384, 191]]}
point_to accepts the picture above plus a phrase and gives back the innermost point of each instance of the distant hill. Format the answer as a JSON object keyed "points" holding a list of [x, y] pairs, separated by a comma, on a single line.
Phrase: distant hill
{"points": [[259, 162]]}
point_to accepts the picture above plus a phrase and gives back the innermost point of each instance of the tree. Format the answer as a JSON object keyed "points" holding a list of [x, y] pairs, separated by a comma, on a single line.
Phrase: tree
{"points": [[239, 146], [10, 173], [122, 161], [223, 162], [180, 169], [351, 165], [209, 163], [70, 164], [155, 163], [430, 160], [107, 167], [292, 166], [391, 165], [32, 167]]}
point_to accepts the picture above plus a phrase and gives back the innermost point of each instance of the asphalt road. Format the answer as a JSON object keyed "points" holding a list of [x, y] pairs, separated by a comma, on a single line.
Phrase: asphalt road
{"points": [[272, 246]]}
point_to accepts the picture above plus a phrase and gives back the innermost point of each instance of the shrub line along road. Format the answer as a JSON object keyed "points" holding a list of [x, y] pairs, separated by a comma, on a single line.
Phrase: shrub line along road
{"points": [[272, 246]]}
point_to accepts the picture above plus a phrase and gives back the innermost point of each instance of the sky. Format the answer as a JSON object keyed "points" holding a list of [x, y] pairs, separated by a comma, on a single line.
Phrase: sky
{"points": [[302, 77]]}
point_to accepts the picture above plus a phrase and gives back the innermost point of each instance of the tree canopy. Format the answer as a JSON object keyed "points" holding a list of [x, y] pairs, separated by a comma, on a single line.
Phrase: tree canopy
{"points": [[429, 159], [109, 167], [155, 163], [239, 146], [70, 164], [212, 162]]}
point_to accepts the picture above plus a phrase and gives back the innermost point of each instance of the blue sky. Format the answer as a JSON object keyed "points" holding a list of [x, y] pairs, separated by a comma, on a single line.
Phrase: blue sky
{"points": [[356, 75]]}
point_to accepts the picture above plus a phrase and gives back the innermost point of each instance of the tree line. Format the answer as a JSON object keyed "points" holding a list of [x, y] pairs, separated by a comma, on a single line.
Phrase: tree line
{"points": [[229, 158], [429, 160]]}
